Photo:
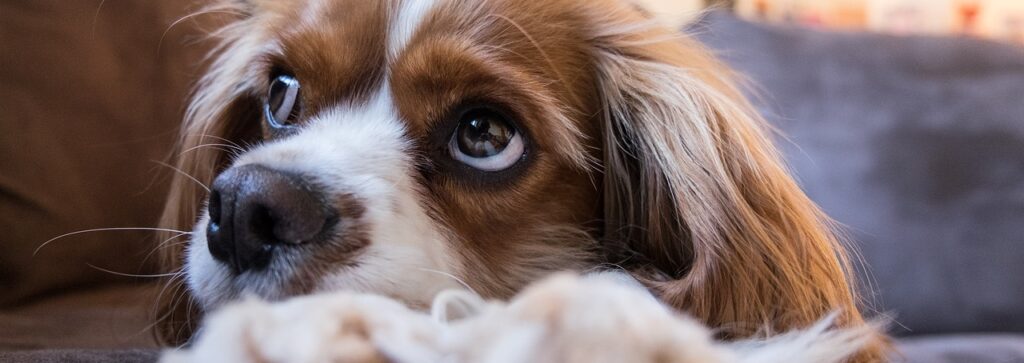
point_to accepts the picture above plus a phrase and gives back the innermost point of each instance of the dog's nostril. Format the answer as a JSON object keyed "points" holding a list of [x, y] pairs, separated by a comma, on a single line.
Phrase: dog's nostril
{"points": [[263, 224], [213, 207], [218, 240], [255, 210]]}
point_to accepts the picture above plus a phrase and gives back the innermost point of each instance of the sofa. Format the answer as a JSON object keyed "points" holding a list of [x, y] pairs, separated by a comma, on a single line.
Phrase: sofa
{"points": [[90, 99], [915, 145]]}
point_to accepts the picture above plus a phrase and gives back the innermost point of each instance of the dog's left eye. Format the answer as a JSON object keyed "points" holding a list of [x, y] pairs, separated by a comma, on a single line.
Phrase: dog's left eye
{"points": [[487, 141], [282, 107]]}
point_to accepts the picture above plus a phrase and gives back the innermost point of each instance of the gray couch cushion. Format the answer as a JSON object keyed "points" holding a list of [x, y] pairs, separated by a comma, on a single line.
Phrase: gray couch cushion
{"points": [[917, 145], [980, 348]]}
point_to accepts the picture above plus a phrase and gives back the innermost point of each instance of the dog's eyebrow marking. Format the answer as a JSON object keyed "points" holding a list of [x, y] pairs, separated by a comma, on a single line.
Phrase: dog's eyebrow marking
{"points": [[409, 15]]}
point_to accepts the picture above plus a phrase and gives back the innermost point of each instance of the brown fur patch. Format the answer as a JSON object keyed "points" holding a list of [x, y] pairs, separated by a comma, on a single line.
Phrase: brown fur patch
{"points": [[531, 66], [339, 56]]}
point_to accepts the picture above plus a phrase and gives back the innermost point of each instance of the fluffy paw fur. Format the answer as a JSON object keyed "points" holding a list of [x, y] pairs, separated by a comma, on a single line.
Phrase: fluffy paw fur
{"points": [[339, 327], [562, 319]]}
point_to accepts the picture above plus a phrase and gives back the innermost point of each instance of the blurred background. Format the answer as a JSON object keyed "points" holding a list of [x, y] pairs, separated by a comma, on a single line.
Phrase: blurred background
{"points": [[903, 119], [1001, 20]]}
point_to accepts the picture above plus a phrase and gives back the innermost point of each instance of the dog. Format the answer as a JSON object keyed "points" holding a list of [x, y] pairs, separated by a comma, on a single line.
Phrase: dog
{"points": [[407, 147]]}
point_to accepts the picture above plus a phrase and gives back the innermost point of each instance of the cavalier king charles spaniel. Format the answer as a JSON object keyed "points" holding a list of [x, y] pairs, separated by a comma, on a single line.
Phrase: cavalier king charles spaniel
{"points": [[406, 147]]}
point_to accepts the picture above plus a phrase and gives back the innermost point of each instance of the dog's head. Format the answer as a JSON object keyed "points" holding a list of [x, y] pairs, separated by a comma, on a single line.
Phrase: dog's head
{"points": [[407, 146]]}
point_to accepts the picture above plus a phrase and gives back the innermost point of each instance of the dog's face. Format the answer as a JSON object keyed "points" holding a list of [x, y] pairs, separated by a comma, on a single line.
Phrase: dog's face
{"points": [[403, 147]]}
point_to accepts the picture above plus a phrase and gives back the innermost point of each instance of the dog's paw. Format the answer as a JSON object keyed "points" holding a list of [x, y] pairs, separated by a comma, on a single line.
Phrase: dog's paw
{"points": [[571, 319], [319, 328], [562, 319]]}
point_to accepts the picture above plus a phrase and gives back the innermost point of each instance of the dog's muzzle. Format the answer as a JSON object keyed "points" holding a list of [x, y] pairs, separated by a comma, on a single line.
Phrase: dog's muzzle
{"points": [[255, 210]]}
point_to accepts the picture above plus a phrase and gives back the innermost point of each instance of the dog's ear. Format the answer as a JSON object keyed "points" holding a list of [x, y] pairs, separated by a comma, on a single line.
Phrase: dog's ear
{"points": [[695, 195], [206, 147], [222, 118]]}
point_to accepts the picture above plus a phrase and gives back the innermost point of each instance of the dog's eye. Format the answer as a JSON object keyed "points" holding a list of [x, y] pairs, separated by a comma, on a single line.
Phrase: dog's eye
{"points": [[486, 141], [282, 107]]}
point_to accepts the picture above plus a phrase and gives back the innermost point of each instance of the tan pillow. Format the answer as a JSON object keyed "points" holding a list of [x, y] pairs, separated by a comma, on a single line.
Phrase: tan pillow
{"points": [[86, 101]]}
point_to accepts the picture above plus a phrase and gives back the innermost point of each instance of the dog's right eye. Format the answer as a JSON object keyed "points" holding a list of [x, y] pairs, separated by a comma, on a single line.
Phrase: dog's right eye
{"points": [[282, 107], [486, 140]]}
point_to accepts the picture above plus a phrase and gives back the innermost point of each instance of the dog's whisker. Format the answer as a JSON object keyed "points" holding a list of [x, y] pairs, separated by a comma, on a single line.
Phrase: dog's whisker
{"points": [[179, 273], [453, 277], [165, 244], [175, 299], [183, 173], [222, 147], [160, 44], [112, 272], [190, 302], [231, 152], [44, 244], [224, 140]]}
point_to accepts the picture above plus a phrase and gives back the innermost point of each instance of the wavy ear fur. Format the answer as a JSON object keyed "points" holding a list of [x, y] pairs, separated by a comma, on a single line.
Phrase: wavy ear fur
{"points": [[210, 135], [697, 195]]}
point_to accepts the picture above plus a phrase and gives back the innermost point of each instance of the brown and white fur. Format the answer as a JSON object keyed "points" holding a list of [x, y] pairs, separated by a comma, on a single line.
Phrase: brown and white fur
{"points": [[639, 156]]}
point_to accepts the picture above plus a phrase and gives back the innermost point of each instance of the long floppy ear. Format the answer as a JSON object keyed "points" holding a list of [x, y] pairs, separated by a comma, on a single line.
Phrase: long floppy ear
{"points": [[698, 197], [220, 121]]}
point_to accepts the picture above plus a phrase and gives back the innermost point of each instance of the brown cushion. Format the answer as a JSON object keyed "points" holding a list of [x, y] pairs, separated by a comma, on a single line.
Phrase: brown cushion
{"points": [[115, 317], [87, 100]]}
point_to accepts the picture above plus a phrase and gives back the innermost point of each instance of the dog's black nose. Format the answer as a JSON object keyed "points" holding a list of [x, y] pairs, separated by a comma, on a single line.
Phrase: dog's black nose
{"points": [[254, 210]]}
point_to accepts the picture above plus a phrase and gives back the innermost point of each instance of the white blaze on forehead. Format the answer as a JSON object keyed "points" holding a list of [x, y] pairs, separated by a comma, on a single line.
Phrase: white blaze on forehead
{"points": [[410, 14], [363, 150], [367, 138]]}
